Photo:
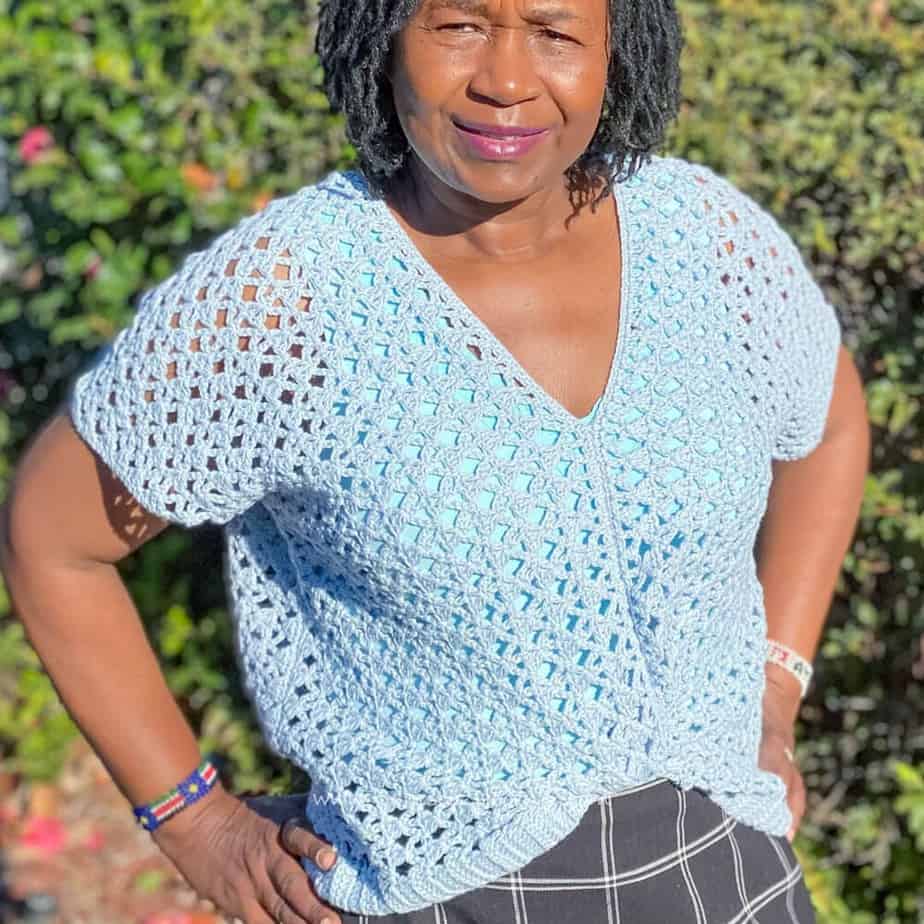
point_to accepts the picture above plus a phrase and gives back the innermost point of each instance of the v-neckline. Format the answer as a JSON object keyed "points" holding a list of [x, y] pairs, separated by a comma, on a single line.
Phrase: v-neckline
{"points": [[398, 238]]}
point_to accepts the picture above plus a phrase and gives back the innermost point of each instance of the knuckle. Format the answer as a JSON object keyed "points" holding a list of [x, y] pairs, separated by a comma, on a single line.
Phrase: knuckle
{"points": [[244, 878], [257, 860], [296, 888], [279, 910], [297, 837], [305, 826], [291, 828], [314, 910], [287, 882]]}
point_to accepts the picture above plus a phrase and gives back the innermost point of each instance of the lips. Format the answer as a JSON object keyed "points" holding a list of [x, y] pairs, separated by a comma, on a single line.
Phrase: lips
{"points": [[486, 142], [502, 132]]}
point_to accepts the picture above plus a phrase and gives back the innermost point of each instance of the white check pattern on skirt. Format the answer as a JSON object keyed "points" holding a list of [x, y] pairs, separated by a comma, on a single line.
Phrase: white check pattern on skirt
{"points": [[652, 854]]}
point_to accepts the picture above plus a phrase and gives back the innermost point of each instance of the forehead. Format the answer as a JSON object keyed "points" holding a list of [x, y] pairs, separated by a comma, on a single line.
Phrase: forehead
{"points": [[562, 10]]}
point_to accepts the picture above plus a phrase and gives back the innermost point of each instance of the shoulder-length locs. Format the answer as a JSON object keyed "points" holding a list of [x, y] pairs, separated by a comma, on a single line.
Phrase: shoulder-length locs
{"points": [[642, 93]]}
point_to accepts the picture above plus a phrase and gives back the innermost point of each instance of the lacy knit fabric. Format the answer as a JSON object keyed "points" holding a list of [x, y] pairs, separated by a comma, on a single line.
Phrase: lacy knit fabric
{"points": [[465, 612]]}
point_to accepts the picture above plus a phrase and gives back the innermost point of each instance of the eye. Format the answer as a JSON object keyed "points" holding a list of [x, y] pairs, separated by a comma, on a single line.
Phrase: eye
{"points": [[557, 36], [458, 26]]}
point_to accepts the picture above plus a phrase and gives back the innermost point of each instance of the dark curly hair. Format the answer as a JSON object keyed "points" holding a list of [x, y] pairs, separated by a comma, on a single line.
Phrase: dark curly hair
{"points": [[642, 96]]}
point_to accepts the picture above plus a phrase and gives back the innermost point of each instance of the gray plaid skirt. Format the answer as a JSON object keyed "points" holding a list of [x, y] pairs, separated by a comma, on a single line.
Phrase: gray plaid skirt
{"points": [[653, 854]]}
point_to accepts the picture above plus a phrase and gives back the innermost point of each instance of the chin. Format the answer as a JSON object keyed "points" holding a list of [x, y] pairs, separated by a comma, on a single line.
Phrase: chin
{"points": [[499, 182]]}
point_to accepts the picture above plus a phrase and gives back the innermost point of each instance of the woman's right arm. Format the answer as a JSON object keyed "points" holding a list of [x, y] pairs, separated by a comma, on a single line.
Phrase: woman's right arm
{"points": [[65, 524]]}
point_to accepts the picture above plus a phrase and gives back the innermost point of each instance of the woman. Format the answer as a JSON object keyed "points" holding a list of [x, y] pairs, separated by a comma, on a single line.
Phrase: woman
{"points": [[491, 424]]}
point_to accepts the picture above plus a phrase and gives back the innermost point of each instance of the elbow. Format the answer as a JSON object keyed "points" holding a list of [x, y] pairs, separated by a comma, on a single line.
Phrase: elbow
{"points": [[20, 563], [12, 545]]}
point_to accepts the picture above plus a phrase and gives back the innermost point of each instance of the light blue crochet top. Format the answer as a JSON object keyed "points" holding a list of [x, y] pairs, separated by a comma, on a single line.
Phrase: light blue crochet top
{"points": [[465, 612]]}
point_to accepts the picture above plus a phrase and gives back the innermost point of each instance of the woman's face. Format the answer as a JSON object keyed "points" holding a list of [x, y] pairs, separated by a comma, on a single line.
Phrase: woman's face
{"points": [[463, 67]]}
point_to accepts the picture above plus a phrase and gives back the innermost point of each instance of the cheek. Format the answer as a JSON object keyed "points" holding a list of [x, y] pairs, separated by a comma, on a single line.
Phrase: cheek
{"points": [[425, 77], [578, 81]]}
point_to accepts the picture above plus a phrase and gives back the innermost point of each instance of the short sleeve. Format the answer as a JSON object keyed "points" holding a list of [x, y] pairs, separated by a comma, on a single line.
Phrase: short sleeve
{"points": [[183, 405], [808, 345], [793, 332]]}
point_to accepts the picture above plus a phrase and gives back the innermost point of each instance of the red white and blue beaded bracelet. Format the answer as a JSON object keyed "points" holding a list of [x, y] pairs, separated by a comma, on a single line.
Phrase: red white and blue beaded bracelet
{"points": [[185, 793]]}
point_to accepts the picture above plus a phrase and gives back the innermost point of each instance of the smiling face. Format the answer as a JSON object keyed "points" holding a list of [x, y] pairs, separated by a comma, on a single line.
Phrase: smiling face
{"points": [[463, 70]]}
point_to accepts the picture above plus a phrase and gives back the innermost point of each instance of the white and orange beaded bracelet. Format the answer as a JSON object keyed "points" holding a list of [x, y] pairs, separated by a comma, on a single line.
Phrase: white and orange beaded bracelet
{"points": [[785, 657]]}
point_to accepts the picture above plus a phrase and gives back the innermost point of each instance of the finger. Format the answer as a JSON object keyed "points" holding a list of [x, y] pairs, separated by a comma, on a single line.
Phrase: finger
{"points": [[281, 912], [294, 887], [793, 828], [798, 801], [255, 913], [785, 771], [800, 793], [296, 839]]}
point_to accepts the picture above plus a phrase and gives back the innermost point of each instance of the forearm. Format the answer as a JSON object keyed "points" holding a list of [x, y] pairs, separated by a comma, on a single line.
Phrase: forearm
{"points": [[86, 630], [811, 517]]}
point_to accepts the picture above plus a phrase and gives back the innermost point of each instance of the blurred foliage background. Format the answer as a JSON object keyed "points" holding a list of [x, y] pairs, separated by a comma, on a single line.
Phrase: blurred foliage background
{"points": [[134, 131]]}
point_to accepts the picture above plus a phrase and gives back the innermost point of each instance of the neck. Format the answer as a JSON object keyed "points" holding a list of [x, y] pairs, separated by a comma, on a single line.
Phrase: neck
{"points": [[466, 228]]}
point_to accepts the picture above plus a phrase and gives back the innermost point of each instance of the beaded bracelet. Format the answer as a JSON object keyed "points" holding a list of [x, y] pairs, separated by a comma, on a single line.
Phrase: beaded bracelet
{"points": [[785, 657], [187, 791]]}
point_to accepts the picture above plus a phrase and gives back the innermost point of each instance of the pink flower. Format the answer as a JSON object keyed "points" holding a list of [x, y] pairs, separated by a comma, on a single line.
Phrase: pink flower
{"points": [[33, 142], [93, 267], [45, 834]]}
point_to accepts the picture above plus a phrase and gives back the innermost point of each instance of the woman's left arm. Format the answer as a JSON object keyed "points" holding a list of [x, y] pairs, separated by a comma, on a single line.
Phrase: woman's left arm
{"points": [[811, 516]]}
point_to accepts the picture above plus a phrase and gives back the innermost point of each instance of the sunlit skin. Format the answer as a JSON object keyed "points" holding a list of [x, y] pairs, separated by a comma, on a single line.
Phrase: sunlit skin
{"points": [[525, 63], [504, 234]]}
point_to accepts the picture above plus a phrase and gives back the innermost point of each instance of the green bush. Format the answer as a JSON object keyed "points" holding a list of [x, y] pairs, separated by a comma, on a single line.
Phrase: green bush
{"points": [[135, 133], [168, 122]]}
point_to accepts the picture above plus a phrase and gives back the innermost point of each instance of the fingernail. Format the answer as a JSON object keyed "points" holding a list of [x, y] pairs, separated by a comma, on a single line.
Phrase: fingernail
{"points": [[327, 856]]}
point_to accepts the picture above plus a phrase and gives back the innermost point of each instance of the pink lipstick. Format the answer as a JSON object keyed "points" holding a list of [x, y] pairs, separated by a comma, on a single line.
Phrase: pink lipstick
{"points": [[499, 142]]}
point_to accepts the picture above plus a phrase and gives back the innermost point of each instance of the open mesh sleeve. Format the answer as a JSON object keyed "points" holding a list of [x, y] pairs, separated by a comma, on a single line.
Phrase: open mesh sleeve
{"points": [[795, 334], [808, 346], [183, 405]]}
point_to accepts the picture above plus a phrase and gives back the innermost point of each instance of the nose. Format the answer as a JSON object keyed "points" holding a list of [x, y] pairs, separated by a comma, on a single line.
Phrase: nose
{"points": [[506, 72]]}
